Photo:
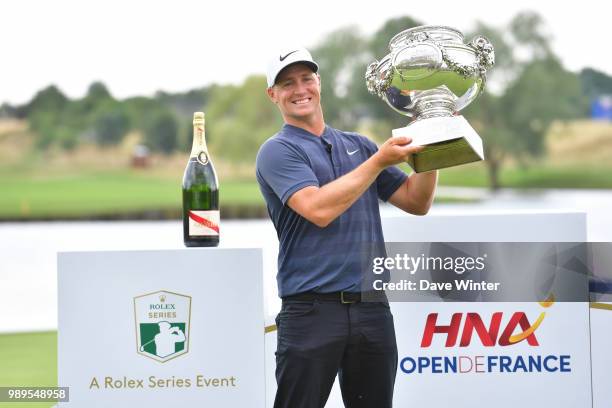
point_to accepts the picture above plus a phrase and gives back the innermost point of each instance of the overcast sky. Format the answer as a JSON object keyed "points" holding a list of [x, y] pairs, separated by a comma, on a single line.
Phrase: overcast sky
{"points": [[139, 47]]}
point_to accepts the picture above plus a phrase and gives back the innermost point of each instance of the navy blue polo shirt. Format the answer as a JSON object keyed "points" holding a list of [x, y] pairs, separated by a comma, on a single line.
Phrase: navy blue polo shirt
{"points": [[311, 258]]}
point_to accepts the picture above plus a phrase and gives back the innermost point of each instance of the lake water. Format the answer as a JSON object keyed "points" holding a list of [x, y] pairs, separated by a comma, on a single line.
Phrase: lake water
{"points": [[28, 276]]}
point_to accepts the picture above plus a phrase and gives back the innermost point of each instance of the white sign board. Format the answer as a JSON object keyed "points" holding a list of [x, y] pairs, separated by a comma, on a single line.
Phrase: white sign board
{"points": [[161, 328], [558, 367], [499, 354]]}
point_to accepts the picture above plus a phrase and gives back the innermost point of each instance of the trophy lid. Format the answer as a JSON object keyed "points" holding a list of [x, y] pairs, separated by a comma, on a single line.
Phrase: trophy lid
{"points": [[421, 33]]}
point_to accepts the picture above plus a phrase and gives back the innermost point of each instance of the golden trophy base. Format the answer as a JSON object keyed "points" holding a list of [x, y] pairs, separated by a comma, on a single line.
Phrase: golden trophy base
{"points": [[449, 141]]}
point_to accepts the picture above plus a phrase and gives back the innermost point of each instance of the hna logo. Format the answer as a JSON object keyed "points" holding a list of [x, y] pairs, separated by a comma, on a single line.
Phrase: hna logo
{"points": [[489, 336]]}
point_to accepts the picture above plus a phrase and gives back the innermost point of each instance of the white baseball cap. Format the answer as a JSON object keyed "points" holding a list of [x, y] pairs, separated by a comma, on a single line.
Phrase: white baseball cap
{"points": [[287, 57]]}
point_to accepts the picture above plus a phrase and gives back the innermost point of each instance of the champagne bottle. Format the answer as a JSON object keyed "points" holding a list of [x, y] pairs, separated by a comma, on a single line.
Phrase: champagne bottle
{"points": [[200, 193]]}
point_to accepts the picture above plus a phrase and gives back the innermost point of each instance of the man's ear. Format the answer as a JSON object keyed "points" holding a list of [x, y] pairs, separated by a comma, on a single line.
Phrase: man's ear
{"points": [[272, 94], [319, 79]]}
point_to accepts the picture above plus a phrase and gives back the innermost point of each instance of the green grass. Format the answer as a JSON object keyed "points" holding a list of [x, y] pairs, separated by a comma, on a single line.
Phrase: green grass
{"points": [[596, 176], [36, 195], [28, 359], [100, 193]]}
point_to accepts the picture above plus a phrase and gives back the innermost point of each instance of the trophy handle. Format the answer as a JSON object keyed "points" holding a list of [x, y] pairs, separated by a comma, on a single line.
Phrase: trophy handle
{"points": [[370, 77], [484, 52], [378, 77]]}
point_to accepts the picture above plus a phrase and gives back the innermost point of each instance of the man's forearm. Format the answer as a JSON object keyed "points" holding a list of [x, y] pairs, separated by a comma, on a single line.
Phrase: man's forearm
{"points": [[417, 194], [422, 187], [323, 205]]}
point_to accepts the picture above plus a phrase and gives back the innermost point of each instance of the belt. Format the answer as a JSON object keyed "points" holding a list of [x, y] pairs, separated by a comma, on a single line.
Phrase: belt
{"points": [[342, 297]]}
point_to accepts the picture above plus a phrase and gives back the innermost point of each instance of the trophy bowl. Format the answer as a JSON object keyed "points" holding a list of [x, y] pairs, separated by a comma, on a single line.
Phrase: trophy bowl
{"points": [[429, 75]]}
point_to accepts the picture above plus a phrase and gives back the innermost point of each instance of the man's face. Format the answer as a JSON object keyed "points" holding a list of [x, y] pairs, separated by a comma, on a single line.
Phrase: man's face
{"points": [[297, 92]]}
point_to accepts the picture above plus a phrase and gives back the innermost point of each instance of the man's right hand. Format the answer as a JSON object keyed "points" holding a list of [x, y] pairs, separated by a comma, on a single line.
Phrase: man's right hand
{"points": [[394, 151]]}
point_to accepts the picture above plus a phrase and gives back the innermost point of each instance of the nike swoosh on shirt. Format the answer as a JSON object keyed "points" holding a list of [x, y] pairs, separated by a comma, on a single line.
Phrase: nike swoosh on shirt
{"points": [[283, 58], [352, 153]]}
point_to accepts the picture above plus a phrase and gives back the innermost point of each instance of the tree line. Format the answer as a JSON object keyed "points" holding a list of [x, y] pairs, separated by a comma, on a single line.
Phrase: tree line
{"points": [[529, 89], [100, 118]]}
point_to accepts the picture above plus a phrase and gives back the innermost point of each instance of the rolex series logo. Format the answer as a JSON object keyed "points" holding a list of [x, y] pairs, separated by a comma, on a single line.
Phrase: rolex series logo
{"points": [[162, 325]]}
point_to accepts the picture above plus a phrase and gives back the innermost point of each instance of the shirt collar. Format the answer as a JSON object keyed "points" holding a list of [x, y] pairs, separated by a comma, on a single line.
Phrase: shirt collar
{"points": [[326, 135]]}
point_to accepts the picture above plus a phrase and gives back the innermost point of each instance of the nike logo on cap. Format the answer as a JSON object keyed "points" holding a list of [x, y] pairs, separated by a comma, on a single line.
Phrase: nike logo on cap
{"points": [[283, 58]]}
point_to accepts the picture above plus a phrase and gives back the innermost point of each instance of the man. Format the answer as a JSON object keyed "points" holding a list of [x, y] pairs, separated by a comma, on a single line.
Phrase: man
{"points": [[322, 186], [166, 339]]}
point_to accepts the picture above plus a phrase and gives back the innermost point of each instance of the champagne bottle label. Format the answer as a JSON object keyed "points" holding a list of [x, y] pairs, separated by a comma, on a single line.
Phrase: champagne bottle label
{"points": [[202, 157], [199, 150], [204, 223]]}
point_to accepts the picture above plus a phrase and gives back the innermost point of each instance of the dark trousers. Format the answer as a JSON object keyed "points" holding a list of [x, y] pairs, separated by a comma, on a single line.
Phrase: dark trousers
{"points": [[319, 339]]}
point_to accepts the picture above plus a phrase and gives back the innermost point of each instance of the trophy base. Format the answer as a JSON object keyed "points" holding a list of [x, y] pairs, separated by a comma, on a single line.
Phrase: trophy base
{"points": [[449, 141]]}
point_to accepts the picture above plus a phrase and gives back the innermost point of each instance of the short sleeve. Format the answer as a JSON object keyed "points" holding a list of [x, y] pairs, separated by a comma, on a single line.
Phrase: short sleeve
{"points": [[283, 169], [388, 181]]}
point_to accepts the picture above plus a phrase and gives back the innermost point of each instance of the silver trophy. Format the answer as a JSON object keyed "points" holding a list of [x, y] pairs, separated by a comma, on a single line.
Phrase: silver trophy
{"points": [[429, 75]]}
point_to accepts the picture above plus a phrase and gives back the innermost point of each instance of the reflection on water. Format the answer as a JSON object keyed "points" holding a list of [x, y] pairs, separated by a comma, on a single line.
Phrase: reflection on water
{"points": [[28, 251]]}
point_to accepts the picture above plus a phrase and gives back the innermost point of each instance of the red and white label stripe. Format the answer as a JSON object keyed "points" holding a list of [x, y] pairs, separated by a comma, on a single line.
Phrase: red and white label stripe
{"points": [[202, 221]]}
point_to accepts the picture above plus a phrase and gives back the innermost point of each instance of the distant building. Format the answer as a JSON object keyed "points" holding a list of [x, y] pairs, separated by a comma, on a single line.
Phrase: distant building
{"points": [[7, 111], [601, 108], [140, 156]]}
